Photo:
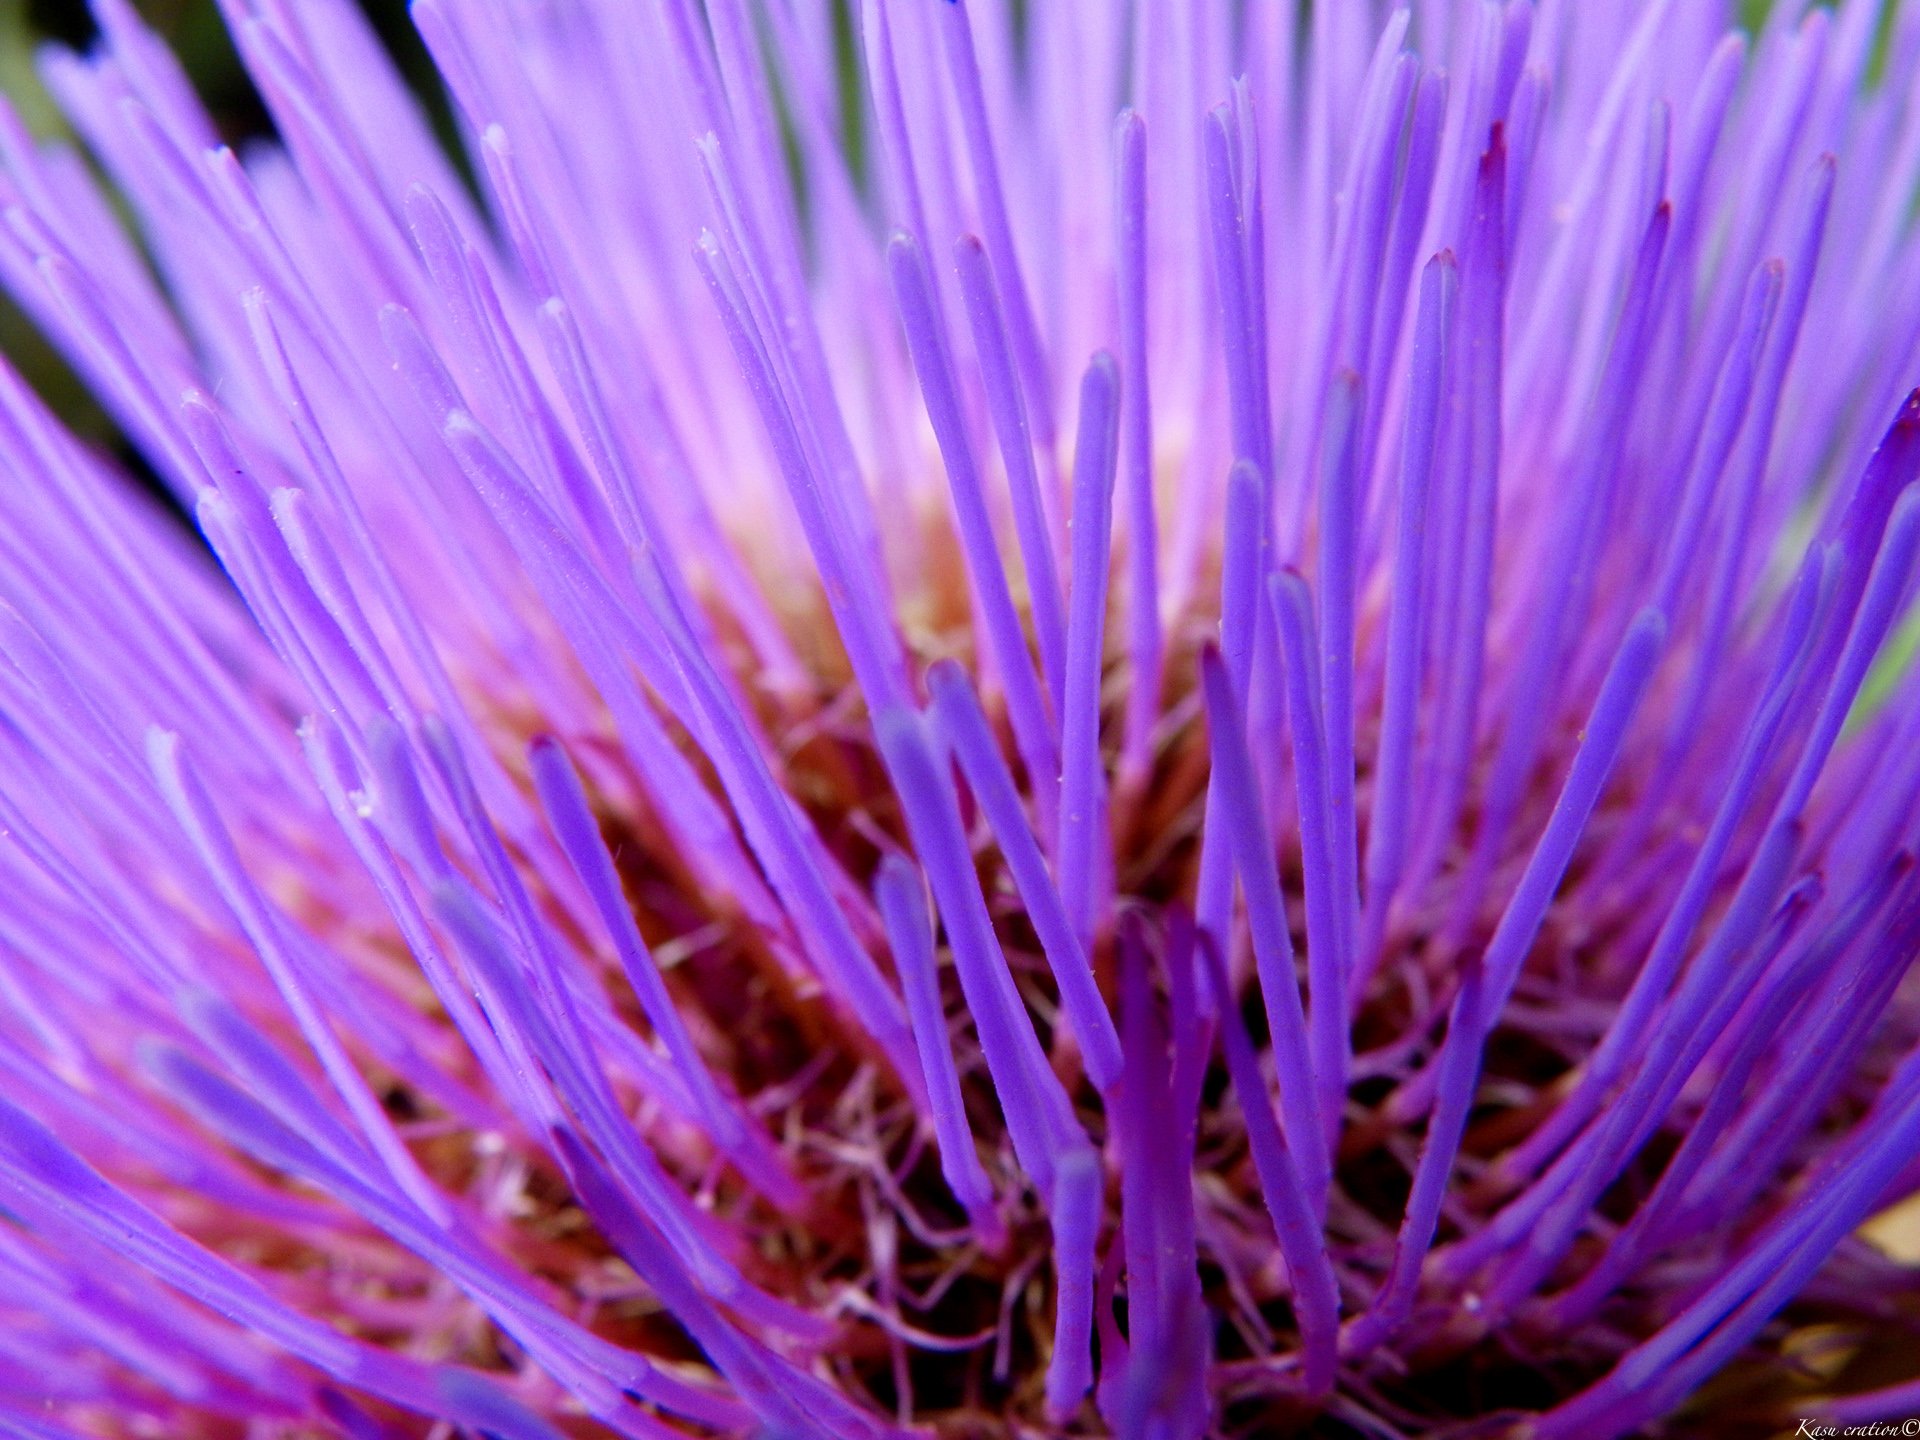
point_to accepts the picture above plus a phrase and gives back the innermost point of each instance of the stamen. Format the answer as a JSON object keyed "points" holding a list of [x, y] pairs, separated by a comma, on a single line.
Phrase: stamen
{"points": [[1245, 835], [965, 730], [1025, 703], [1084, 836], [900, 895]]}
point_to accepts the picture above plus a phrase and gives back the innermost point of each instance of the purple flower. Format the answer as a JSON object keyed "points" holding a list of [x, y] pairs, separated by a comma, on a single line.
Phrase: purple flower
{"points": [[890, 756]]}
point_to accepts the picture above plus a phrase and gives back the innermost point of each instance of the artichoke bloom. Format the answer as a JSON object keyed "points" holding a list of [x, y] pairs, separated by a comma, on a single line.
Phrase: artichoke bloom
{"points": [[967, 719]]}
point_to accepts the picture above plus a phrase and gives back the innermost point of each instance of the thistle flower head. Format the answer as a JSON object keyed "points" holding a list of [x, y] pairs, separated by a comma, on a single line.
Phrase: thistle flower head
{"points": [[966, 719]]}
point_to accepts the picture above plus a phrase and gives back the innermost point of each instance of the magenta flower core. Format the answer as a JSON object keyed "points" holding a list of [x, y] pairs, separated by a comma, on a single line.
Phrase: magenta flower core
{"points": [[1169, 719]]}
